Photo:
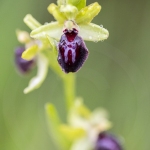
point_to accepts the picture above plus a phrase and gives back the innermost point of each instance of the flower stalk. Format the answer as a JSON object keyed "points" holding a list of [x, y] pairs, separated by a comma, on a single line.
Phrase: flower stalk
{"points": [[67, 79], [69, 89]]}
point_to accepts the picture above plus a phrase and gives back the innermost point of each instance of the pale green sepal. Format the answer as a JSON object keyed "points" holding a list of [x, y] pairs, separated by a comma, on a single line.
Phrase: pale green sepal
{"points": [[82, 144], [42, 64], [54, 127], [78, 3], [54, 10], [71, 133], [31, 22], [93, 32], [53, 29], [87, 14], [30, 53], [69, 11]]}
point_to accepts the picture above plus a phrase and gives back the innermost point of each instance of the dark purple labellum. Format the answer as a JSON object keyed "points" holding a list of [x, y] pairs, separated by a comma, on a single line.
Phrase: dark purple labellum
{"points": [[107, 141], [23, 66], [72, 51]]}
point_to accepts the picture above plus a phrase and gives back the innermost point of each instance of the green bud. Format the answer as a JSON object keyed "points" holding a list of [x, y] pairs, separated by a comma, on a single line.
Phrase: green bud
{"points": [[78, 3]]}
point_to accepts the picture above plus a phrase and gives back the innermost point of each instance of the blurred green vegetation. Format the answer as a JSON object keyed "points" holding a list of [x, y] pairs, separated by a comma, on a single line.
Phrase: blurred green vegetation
{"points": [[116, 76]]}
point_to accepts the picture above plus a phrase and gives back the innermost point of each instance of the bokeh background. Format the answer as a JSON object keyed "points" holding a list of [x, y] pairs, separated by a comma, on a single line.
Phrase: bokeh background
{"points": [[116, 76]]}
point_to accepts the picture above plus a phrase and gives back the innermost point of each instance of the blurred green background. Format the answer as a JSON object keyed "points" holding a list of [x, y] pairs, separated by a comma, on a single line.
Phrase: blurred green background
{"points": [[116, 76]]}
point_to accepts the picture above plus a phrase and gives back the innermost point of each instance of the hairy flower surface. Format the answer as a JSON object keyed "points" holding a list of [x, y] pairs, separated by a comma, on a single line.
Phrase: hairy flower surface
{"points": [[72, 51]]}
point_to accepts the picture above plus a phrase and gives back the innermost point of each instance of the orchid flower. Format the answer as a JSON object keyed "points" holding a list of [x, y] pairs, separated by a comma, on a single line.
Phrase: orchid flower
{"points": [[72, 26], [64, 36], [32, 51], [82, 129]]}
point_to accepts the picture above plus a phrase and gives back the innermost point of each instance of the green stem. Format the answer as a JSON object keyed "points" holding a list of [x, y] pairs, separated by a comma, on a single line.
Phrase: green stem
{"points": [[68, 79], [69, 89]]}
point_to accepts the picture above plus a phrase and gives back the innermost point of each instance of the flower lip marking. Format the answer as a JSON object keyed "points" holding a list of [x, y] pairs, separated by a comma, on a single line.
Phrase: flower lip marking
{"points": [[72, 51]]}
